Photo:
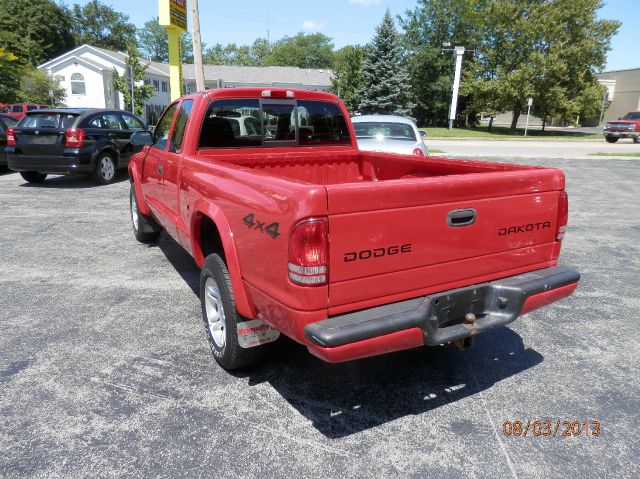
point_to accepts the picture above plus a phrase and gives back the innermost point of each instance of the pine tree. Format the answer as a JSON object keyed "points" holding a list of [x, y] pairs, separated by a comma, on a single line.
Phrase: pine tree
{"points": [[385, 88]]}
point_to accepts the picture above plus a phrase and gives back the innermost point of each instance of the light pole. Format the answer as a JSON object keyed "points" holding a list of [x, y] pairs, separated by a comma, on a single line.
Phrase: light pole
{"points": [[133, 103], [456, 81], [197, 46]]}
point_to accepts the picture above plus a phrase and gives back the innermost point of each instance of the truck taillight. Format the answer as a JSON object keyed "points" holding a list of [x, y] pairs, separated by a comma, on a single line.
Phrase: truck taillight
{"points": [[74, 137], [418, 152], [308, 252], [11, 137], [563, 215]]}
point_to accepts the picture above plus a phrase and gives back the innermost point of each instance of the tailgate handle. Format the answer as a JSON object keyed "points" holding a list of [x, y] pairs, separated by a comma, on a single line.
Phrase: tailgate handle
{"points": [[463, 217]]}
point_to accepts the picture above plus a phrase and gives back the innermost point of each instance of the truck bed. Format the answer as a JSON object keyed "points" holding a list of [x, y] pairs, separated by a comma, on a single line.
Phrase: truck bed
{"points": [[339, 167]]}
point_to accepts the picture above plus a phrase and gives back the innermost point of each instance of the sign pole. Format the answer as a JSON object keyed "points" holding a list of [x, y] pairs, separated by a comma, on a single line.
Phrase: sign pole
{"points": [[456, 85], [529, 103], [172, 14]]}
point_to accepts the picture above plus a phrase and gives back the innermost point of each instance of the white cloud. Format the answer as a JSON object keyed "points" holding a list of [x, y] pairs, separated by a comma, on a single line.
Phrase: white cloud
{"points": [[364, 2], [309, 25]]}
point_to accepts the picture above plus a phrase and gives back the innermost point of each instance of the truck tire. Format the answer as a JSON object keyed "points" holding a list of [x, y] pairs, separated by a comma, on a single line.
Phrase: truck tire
{"points": [[106, 170], [221, 317], [636, 139], [33, 176], [145, 229], [611, 139]]}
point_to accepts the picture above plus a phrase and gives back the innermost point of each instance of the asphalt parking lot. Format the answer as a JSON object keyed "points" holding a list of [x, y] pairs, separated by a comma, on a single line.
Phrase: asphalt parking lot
{"points": [[105, 369]]}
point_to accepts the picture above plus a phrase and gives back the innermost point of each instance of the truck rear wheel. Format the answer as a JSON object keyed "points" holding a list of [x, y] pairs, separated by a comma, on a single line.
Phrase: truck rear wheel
{"points": [[221, 317], [33, 176], [145, 229]]}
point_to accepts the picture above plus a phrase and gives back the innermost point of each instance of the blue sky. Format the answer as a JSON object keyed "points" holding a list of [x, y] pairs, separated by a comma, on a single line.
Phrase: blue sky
{"points": [[346, 21]]}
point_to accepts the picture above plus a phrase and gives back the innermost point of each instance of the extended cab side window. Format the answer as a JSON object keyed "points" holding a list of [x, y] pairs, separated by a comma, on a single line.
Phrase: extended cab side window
{"points": [[177, 136], [231, 124], [161, 133]]}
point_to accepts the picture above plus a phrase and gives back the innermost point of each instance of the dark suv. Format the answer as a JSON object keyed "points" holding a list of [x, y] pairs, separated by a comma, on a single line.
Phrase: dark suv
{"points": [[72, 141]]}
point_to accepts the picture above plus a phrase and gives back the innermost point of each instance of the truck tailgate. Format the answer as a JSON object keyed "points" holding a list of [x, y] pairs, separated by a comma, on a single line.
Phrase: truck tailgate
{"points": [[394, 239]]}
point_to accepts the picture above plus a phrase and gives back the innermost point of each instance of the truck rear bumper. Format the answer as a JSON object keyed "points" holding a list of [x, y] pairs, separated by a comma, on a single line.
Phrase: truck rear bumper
{"points": [[437, 318]]}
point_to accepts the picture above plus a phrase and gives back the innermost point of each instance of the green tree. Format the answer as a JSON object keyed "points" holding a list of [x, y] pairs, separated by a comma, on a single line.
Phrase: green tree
{"points": [[239, 55], [37, 86], [100, 25], [122, 83], [34, 30], [385, 81], [427, 27], [154, 43], [548, 50], [347, 75], [10, 71], [313, 50]]}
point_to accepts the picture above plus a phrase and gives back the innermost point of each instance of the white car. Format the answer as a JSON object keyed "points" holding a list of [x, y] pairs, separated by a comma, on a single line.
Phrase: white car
{"points": [[389, 133]]}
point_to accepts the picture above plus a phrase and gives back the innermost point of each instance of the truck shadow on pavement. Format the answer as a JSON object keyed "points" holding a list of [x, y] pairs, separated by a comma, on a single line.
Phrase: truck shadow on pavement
{"points": [[346, 398], [343, 399]]}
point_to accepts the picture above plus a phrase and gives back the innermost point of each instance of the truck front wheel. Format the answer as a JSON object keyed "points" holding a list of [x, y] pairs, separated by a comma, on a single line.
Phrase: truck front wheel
{"points": [[221, 317], [611, 139], [144, 228]]}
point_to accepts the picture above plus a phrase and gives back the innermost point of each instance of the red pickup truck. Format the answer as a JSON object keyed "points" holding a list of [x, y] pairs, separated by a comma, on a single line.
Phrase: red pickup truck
{"points": [[351, 253]]}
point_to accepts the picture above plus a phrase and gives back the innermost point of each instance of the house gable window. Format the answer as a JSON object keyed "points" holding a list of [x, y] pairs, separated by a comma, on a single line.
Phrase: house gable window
{"points": [[77, 84]]}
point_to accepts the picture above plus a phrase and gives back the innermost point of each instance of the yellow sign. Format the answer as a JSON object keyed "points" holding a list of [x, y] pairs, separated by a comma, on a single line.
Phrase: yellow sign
{"points": [[173, 13]]}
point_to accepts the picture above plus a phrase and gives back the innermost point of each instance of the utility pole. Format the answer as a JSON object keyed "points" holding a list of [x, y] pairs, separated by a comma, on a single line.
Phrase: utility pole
{"points": [[197, 46]]}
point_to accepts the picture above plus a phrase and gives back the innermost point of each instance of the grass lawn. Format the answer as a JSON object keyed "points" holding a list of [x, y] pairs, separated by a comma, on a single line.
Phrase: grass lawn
{"points": [[612, 153], [503, 133]]}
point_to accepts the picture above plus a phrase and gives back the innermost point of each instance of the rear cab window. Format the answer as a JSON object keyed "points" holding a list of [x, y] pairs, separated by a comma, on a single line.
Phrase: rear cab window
{"points": [[247, 123]]}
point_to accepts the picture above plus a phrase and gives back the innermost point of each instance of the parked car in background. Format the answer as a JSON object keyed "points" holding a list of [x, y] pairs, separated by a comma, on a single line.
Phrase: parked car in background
{"points": [[626, 127], [72, 141], [389, 133], [6, 122], [19, 110]]}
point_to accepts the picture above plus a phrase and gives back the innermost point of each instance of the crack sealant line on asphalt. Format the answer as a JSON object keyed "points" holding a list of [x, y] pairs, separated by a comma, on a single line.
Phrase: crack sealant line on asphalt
{"points": [[501, 443]]}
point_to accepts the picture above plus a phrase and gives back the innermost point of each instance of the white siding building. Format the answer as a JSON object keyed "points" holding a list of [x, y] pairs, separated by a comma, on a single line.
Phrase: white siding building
{"points": [[86, 72]]}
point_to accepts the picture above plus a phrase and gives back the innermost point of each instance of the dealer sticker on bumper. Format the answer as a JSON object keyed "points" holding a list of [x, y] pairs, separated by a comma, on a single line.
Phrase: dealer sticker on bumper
{"points": [[254, 333]]}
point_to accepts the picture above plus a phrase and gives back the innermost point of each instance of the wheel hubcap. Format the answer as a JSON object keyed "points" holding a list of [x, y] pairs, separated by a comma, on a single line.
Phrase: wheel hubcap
{"points": [[134, 212], [107, 169], [215, 312]]}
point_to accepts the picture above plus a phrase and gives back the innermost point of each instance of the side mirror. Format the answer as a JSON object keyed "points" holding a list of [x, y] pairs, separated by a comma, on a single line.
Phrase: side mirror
{"points": [[423, 134], [142, 138]]}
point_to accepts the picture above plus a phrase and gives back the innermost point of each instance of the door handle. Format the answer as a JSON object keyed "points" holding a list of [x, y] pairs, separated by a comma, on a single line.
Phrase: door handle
{"points": [[462, 217], [159, 169]]}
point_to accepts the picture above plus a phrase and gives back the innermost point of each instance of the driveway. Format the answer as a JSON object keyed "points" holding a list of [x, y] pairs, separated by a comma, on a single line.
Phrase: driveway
{"points": [[105, 369]]}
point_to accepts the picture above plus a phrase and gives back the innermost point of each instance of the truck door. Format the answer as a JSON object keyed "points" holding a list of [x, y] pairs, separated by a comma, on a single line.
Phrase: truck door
{"points": [[153, 166], [171, 167]]}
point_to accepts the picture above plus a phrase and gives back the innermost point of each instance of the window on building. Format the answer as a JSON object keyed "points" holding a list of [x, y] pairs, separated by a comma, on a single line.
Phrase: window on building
{"points": [[164, 87], [156, 85], [77, 84]]}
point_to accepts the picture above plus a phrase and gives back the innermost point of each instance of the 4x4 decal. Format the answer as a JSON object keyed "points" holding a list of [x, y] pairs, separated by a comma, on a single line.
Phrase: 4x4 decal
{"points": [[255, 224]]}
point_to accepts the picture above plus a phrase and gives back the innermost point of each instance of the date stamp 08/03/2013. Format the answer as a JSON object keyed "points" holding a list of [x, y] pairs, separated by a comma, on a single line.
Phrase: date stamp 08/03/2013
{"points": [[543, 428]]}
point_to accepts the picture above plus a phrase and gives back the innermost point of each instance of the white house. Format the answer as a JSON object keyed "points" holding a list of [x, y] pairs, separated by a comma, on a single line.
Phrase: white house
{"points": [[86, 72]]}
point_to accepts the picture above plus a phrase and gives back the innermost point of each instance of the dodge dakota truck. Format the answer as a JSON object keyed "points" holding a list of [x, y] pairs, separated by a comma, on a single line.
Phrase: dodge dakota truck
{"points": [[351, 253]]}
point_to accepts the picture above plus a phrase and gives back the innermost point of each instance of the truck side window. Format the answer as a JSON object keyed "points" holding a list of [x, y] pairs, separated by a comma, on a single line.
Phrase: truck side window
{"points": [[161, 133], [181, 124], [231, 124]]}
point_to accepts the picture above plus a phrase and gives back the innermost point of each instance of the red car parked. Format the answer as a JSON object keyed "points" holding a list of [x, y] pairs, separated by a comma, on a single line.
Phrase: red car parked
{"points": [[351, 253], [18, 110], [626, 127]]}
